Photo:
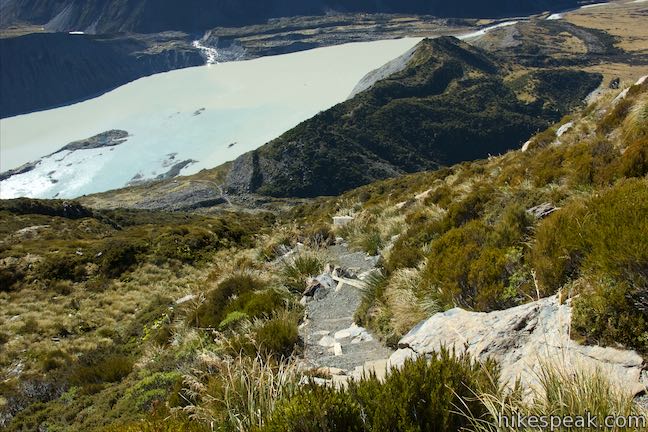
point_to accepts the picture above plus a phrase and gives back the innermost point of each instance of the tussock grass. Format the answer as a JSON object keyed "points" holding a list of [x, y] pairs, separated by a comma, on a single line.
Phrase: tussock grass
{"points": [[239, 393], [296, 270], [561, 390], [407, 308]]}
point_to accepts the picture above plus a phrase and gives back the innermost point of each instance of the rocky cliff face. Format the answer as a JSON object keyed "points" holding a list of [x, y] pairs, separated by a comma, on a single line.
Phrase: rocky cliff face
{"points": [[100, 16], [445, 103], [53, 69]]}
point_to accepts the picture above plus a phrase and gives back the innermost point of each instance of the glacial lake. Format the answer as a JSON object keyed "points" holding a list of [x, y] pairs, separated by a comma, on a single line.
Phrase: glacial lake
{"points": [[210, 114]]}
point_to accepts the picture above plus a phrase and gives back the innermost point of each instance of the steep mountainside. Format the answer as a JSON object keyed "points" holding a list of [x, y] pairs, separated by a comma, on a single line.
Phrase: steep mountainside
{"points": [[45, 70], [450, 103], [103, 16], [125, 320]]}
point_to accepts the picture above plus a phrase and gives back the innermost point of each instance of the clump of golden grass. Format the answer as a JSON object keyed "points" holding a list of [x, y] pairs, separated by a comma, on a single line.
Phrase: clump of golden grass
{"points": [[238, 393], [407, 309], [561, 391], [635, 125]]}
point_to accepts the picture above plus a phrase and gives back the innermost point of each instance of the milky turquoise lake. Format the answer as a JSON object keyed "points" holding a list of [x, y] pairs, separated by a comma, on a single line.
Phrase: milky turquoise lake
{"points": [[210, 114]]}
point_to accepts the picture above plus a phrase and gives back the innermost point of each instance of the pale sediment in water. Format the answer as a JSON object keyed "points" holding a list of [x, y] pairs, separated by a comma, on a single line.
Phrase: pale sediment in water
{"points": [[196, 113]]}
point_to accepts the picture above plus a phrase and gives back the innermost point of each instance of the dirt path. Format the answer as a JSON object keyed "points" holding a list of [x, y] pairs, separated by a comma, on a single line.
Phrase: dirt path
{"points": [[330, 335]]}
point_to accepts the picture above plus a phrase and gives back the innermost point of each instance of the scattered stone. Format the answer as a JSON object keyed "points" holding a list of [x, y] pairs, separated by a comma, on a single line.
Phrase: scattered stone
{"points": [[362, 337], [29, 231], [330, 371], [350, 332], [564, 128], [185, 299], [326, 341], [319, 285], [340, 221], [620, 96], [543, 210], [614, 84], [526, 145], [337, 349]]}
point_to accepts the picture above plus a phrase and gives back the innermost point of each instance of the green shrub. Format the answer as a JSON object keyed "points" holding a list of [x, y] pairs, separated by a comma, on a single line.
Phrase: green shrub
{"points": [[272, 250], [634, 162], [100, 368], [407, 250], [316, 409], [612, 314], [119, 256], [295, 273], [54, 360], [319, 235], [232, 319], [471, 207], [603, 240], [276, 337], [604, 234], [152, 389], [9, 277], [212, 312], [424, 395], [371, 242], [161, 422], [451, 257], [61, 287], [61, 266], [558, 249], [30, 326], [513, 226], [185, 243], [258, 303], [615, 117]]}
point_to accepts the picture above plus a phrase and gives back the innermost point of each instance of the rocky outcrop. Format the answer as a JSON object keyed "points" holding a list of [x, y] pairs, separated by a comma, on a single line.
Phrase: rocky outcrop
{"points": [[520, 339], [109, 138]]}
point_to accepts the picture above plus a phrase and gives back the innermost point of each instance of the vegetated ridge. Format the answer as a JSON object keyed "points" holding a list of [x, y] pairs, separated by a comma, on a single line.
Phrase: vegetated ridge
{"points": [[451, 102]]}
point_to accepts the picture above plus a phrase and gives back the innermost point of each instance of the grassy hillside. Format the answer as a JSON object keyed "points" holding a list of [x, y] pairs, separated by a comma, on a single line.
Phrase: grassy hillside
{"points": [[94, 338], [451, 103], [469, 236]]}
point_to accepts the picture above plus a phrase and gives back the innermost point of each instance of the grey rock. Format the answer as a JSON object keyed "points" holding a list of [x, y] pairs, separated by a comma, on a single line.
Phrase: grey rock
{"points": [[109, 138], [543, 210], [520, 339]]}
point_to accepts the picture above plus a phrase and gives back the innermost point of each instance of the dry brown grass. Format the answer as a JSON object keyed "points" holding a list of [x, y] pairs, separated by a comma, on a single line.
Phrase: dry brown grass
{"points": [[43, 321], [623, 19]]}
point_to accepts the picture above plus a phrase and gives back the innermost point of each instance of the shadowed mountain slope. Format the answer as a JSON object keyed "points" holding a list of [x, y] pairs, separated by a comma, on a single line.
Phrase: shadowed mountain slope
{"points": [[450, 103], [107, 16]]}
